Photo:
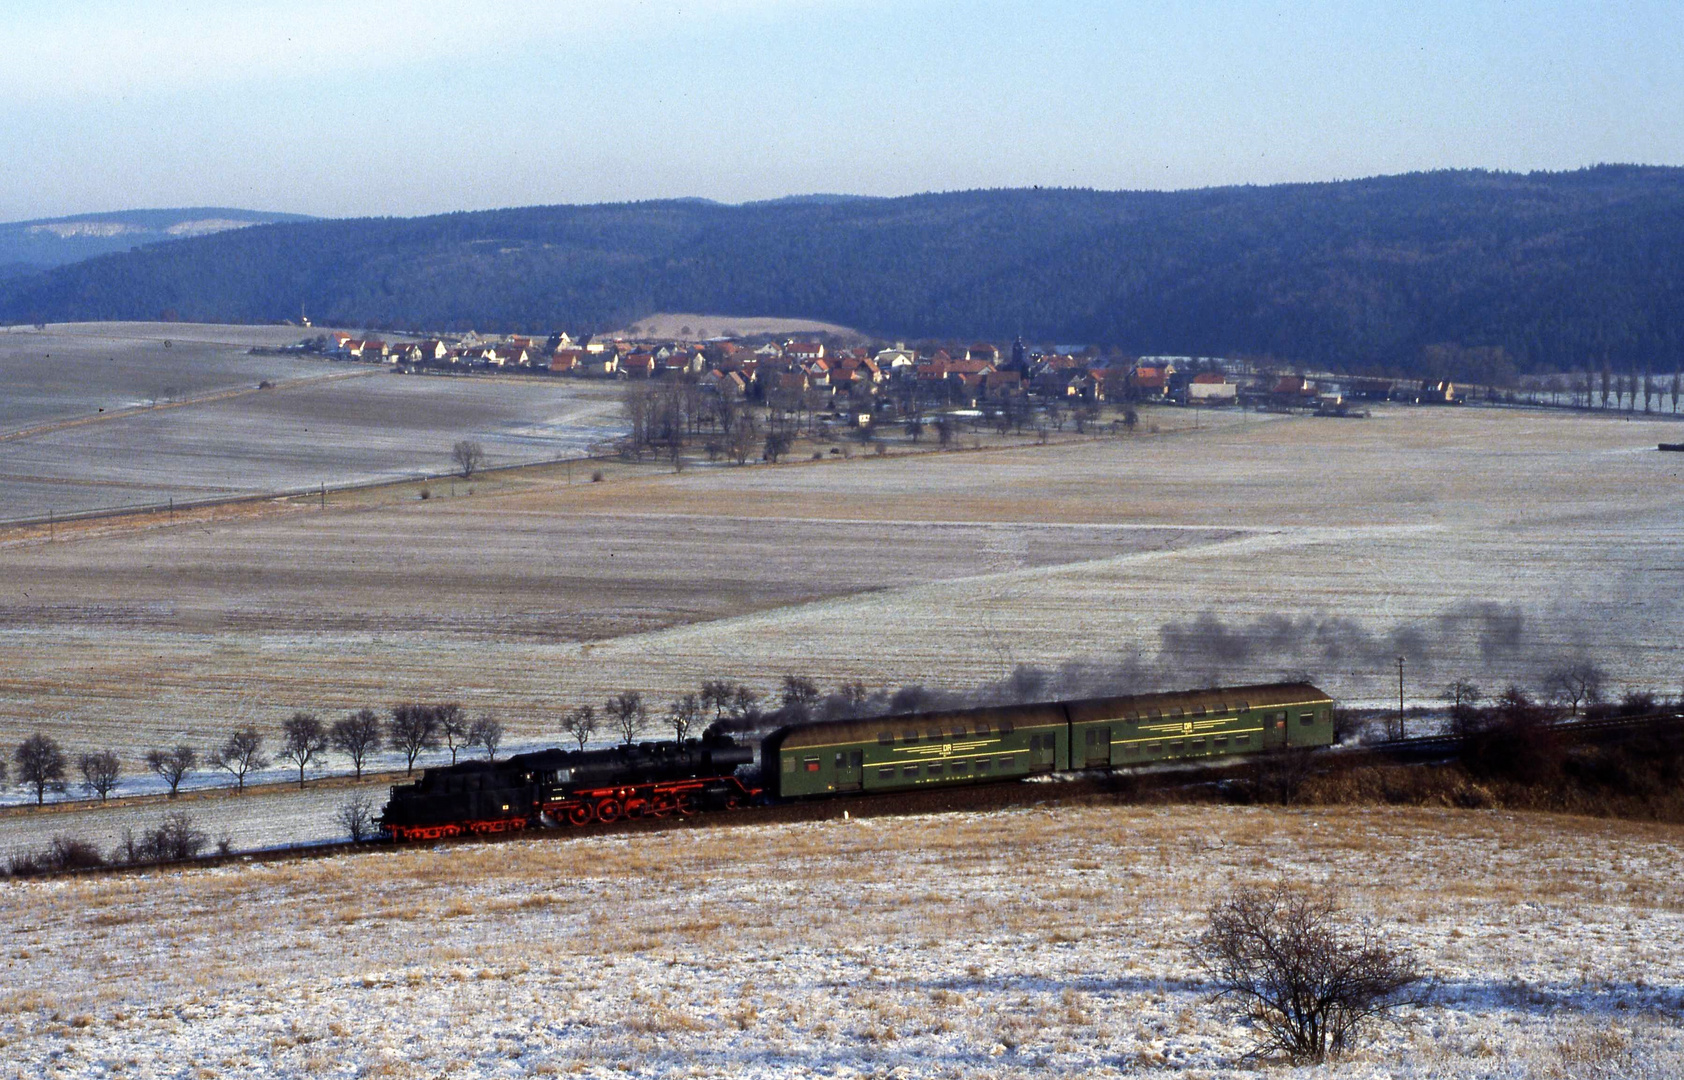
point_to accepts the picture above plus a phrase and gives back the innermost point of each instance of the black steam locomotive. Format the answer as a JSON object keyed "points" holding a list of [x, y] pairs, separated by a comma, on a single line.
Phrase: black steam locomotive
{"points": [[654, 779]]}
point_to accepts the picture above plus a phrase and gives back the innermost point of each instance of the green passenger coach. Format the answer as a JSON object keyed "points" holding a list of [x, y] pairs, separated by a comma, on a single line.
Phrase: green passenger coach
{"points": [[896, 753]]}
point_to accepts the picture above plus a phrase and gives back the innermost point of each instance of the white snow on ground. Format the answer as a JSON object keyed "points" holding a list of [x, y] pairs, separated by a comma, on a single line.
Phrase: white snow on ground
{"points": [[1032, 942]]}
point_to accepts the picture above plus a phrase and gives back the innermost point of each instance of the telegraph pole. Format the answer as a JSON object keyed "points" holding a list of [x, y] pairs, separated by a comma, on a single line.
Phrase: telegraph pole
{"points": [[1400, 697]]}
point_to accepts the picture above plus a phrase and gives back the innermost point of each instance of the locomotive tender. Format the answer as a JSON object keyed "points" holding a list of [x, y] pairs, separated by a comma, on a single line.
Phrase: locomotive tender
{"points": [[880, 754]]}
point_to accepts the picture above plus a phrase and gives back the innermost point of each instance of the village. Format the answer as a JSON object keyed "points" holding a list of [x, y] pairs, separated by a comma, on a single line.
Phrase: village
{"points": [[863, 386]]}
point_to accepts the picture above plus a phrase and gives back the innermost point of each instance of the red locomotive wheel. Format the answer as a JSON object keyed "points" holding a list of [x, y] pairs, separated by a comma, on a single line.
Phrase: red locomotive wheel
{"points": [[580, 814], [608, 811], [636, 808]]}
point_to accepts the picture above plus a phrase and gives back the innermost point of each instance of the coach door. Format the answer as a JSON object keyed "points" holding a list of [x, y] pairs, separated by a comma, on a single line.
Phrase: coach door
{"points": [[850, 770], [1042, 749], [1096, 746]]}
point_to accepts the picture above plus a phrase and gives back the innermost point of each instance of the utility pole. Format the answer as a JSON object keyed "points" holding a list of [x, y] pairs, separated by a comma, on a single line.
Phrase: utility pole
{"points": [[1400, 697]]}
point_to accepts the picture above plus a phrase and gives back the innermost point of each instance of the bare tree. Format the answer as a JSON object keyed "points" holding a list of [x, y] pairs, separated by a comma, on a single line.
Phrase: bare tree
{"points": [[357, 736], [40, 765], [581, 724], [356, 817], [100, 772], [303, 740], [173, 765], [798, 695], [468, 455], [487, 731], [744, 709], [1578, 683], [453, 727], [627, 714], [716, 695], [241, 754], [685, 713], [1461, 692], [413, 729], [1283, 959]]}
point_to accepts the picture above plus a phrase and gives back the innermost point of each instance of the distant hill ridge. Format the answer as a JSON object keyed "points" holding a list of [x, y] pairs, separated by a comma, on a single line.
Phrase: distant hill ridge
{"points": [[1462, 273], [49, 242]]}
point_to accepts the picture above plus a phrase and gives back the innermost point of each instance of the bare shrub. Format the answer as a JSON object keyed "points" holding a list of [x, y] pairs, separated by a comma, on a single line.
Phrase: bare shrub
{"points": [[1310, 986], [71, 853], [356, 817], [23, 864], [175, 838]]}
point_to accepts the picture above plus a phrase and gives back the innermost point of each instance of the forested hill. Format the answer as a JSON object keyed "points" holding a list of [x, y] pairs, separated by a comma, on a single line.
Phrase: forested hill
{"points": [[1557, 269]]}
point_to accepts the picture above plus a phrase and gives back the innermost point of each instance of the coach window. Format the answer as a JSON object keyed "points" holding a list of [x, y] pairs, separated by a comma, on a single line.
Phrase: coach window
{"points": [[1305, 719], [1155, 747], [984, 765], [887, 772], [841, 759], [885, 738], [1198, 710], [909, 770], [1152, 714], [1221, 741], [959, 732], [789, 763], [961, 766], [935, 768], [909, 737], [1005, 727], [1242, 740], [1243, 706], [810, 764], [1175, 713], [982, 729], [935, 734]]}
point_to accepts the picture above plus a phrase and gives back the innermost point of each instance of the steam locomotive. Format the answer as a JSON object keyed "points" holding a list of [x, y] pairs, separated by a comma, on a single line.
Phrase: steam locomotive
{"points": [[656, 779], [822, 759]]}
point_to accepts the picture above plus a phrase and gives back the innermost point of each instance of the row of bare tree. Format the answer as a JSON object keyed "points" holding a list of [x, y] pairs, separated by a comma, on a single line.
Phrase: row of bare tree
{"points": [[305, 743]]}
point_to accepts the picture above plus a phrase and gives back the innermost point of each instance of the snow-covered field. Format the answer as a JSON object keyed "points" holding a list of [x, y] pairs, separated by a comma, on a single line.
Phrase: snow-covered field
{"points": [[323, 423], [1475, 543], [1029, 942]]}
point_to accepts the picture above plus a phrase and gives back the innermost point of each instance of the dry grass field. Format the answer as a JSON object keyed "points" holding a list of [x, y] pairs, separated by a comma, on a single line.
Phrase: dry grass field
{"points": [[1475, 542], [1029, 942]]}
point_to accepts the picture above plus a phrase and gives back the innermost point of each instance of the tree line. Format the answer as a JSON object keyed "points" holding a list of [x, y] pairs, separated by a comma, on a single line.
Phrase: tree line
{"points": [[305, 742]]}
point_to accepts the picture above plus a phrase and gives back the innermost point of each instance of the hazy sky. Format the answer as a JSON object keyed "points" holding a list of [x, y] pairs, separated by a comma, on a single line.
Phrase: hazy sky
{"points": [[381, 107]]}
